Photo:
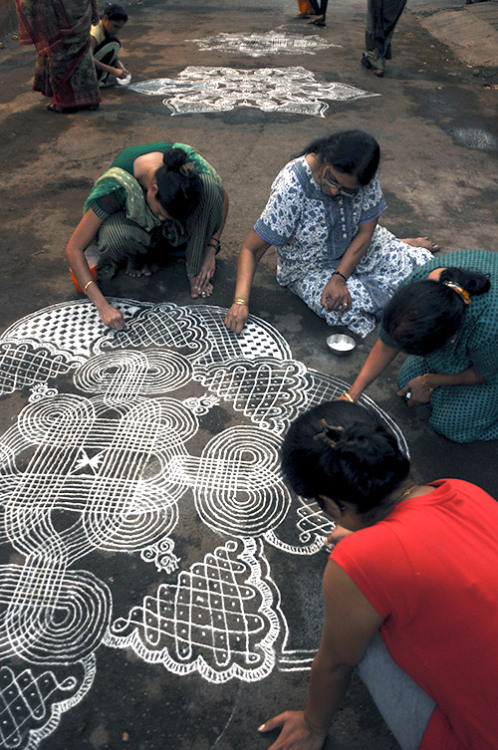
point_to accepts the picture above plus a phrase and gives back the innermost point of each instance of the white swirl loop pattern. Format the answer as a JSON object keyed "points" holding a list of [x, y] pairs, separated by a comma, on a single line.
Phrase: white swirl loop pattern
{"points": [[239, 489], [124, 376]]}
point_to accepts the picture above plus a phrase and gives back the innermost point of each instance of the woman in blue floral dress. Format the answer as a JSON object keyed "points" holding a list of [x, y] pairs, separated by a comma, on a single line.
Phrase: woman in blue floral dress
{"points": [[322, 218]]}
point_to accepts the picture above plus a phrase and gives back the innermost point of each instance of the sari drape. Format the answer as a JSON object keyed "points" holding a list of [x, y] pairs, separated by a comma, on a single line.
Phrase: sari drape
{"points": [[60, 32]]}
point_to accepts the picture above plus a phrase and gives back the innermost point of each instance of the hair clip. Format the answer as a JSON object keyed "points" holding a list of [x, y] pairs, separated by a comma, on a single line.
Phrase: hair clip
{"points": [[324, 433], [459, 290]]}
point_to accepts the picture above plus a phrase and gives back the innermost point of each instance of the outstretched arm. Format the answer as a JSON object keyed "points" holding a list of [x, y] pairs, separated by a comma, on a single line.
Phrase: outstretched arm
{"points": [[375, 364], [82, 236], [349, 625], [251, 253]]}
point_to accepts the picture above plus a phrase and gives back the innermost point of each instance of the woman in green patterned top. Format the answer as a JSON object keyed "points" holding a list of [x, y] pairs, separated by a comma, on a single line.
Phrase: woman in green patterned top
{"points": [[445, 315], [155, 198]]}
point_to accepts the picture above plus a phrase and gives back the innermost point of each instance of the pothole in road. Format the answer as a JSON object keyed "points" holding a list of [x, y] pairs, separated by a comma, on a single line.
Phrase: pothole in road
{"points": [[475, 138]]}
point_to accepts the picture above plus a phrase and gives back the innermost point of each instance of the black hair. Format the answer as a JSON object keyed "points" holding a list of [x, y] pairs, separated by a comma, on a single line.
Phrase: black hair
{"points": [[345, 452], [179, 186], [353, 152], [115, 12], [421, 317]]}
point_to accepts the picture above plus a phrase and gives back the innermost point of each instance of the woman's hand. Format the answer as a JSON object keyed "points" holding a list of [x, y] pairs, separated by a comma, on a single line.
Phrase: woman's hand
{"points": [[111, 317], [419, 394], [296, 733], [336, 296], [338, 533], [200, 285], [85, 232], [343, 397], [250, 254], [236, 318]]}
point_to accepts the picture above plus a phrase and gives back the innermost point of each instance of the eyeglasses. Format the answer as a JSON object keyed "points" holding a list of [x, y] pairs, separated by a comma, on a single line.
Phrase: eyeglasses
{"points": [[332, 183]]}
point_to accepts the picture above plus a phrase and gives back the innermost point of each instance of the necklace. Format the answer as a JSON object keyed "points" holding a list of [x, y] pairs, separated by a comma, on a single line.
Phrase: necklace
{"points": [[382, 511], [405, 493]]}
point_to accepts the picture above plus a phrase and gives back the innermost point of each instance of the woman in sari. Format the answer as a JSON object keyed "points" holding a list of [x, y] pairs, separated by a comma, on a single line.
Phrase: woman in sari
{"points": [[64, 69]]}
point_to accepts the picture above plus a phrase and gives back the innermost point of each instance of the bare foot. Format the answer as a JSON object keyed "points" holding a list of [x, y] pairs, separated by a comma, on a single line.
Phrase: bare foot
{"points": [[423, 242], [197, 291], [134, 270]]}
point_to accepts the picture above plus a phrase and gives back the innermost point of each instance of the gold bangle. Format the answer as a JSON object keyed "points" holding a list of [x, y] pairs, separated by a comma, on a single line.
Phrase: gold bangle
{"points": [[239, 301], [349, 398], [426, 385], [87, 285]]}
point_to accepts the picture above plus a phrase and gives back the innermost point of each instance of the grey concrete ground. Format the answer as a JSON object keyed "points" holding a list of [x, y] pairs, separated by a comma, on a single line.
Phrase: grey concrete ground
{"points": [[435, 117]]}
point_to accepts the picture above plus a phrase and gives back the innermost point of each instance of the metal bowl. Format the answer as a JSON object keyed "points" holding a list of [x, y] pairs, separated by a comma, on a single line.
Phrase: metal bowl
{"points": [[340, 344], [124, 81]]}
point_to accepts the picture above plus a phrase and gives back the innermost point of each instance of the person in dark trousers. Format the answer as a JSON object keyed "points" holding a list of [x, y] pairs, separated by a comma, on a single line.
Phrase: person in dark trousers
{"points": [[382, 17]]}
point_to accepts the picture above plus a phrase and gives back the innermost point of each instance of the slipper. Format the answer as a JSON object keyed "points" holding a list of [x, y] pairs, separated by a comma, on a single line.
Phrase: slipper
{"points": [[55, 108], [366, 62], [316, 18], [68, 110], [319, 23], [368, 65]]}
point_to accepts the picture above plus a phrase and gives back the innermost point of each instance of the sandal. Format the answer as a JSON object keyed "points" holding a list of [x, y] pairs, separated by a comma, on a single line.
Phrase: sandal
{"points": [[69, 110], [379, 72], [366, 62], [55, 108]]}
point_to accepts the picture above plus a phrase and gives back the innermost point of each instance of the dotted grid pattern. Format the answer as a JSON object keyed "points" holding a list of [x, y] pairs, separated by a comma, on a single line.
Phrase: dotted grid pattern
{"points": [[69, 326], [221, 607], [200, 333], [30, 696]]}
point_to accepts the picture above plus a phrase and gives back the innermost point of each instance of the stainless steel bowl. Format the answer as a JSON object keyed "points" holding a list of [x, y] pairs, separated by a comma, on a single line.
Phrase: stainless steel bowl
{"points": [[124, 81], [340, 344]]}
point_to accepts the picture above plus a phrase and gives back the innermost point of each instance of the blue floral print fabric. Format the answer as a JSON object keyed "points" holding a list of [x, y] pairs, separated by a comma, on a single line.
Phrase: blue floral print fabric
{"points": [[311, 232]]}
